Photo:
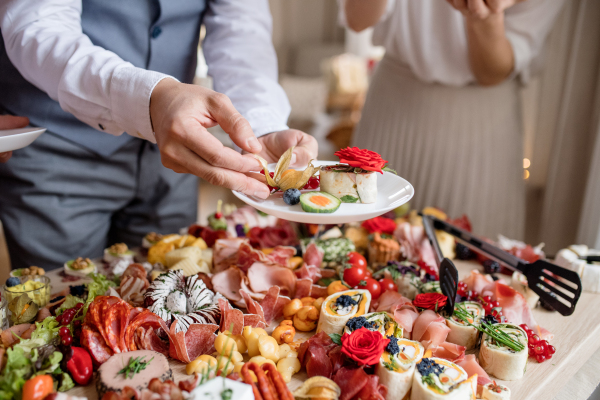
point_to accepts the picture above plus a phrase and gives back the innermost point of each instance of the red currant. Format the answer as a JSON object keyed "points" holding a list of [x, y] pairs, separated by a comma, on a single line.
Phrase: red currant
{"points": [[67, 340], [551, 349], [531, 352], [77, 324], [495, 304], [534, 338], [540, 358], [67, 319], [487, 299], [540, 347], [64, 331], [59, 319]]}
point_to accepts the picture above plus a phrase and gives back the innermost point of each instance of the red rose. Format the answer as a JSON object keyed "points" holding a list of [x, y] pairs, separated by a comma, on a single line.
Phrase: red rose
{"points": [[361, 158], [380, 224], [430, 301], [364, 346]]}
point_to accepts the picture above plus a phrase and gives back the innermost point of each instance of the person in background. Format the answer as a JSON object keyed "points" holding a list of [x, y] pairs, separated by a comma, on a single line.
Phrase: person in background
{"points": [[90, 70], [11, 122], [443, 106]]}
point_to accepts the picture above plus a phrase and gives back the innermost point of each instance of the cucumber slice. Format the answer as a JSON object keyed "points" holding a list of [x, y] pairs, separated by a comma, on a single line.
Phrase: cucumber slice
{"points": [[319, 202]]}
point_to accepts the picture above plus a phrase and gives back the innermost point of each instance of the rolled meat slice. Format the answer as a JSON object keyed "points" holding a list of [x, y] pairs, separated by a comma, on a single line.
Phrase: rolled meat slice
{"points": [[396, 368], [338, 308], [460, 332], [439, 379], [499, 360]]}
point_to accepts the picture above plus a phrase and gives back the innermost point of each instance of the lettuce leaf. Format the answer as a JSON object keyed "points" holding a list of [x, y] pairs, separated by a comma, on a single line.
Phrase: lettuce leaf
{"points": [[97, 287], [17, 370], [69, 302], [66, 382], [46, 330]]}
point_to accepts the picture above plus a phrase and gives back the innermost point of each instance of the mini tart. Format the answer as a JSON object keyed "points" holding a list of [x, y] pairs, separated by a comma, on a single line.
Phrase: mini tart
{"points": [[350, 187], [448, 382], [461, 333], [79, 272], [501, 361], [151, 239], [172, 297], [396, 371], [382, 322], [334, 316], [382, 250]]}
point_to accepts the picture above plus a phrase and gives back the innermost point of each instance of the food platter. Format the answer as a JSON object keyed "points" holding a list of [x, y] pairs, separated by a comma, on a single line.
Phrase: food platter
{"points": [[14, 139], [302, 309], [393, 191]]}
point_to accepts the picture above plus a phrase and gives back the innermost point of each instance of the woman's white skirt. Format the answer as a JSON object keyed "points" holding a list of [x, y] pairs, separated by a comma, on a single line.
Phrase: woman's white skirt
{"points": [[460, 147]]}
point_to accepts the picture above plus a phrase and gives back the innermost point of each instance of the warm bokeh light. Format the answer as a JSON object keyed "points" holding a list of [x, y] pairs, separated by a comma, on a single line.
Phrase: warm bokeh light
{"points": [[526, 163], [526, 174]]}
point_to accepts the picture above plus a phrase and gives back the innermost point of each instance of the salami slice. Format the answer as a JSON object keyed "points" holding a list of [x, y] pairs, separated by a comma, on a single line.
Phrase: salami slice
{"points": [[303, 287], [200, 339], [224, 305], [318, 291], [93, 341], [313, 255], [232, 320], [252, 306], [254, 321], [112, 328], [147, 339], [273, 304], [146, 319]]}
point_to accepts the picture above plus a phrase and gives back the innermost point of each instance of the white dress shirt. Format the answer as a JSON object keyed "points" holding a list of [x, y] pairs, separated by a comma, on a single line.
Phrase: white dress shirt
{"points": [[429, 37], [45, 42]]}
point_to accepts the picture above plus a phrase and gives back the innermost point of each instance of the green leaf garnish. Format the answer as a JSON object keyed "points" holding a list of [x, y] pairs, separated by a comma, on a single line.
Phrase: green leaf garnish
{"points": [[388, 169], [134, 366], [336, 338], [349, 199]]}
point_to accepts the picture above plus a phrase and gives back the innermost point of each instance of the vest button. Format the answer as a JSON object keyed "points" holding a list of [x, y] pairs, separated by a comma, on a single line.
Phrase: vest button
{"points": [[156, 31]]}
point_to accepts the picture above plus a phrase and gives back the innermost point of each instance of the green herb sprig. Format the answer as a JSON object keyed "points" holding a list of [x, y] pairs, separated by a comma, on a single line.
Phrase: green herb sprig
{"points": [[501, 337], [134, 366]]}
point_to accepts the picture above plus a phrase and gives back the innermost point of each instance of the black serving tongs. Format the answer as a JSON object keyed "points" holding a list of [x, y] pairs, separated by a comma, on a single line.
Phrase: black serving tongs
{"points": [[448, 271], [556, 286]]}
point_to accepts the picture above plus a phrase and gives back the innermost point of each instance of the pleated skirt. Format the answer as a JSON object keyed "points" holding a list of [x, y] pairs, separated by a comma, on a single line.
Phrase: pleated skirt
{"points": [[460, 147]]}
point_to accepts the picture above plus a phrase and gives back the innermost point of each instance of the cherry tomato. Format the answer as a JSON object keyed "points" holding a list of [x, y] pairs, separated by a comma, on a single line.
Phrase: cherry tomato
{"points": [[356, 259], [353, 275], [368, 274], [38, 387], [387, 284], [372, 286]]}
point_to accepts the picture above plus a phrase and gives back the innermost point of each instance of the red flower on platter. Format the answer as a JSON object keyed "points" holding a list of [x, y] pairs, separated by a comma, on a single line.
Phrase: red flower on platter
{"points": [[364, 346], [361, 158], [430, 301], [380, 224]]}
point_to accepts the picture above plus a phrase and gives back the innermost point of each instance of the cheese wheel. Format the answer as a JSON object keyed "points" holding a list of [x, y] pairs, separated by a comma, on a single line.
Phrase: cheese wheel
{"points": [[461, 333], [396, 371], [499, 360], [333, 318], [350, 187]]}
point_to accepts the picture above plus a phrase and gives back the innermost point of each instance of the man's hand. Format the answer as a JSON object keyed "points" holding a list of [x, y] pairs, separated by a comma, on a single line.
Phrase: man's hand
{"points": [[276, 143], [181, 114], [482, 9], [11, 122]]}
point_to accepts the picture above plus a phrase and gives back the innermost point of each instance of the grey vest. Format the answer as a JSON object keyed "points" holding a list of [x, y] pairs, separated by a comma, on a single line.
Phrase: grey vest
{"points": [[158, 35]]}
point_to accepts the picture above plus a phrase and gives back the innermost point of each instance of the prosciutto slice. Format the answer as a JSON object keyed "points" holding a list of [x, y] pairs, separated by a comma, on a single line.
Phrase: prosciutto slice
{"points": [[313, 255], [449, 351], [414, 245], [309, 272], [247, 256], [262, 276], [281, 255], [472, 367], [430, 329], [303, 287], [273, 304], [228, 283], [225, 253], [404, 312], [356, 384], [314, 355], [478, 282], [252, 306]]}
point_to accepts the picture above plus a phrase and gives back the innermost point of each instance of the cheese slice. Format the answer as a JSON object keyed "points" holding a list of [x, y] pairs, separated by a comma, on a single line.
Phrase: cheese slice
{"points": [[175, 256]]}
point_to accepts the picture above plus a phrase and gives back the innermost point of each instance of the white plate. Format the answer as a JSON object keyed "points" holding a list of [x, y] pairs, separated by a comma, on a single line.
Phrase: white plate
{"points": [[392, 192], [14, 139]]}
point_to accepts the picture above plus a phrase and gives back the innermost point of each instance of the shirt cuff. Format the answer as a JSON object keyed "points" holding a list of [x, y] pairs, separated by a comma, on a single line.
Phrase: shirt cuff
{"points": [[130, 91], [521, 56]]}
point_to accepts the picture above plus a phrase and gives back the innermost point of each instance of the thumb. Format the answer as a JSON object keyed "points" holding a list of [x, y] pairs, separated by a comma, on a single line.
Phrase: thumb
{"points": [[233, 123], [13, 122]]}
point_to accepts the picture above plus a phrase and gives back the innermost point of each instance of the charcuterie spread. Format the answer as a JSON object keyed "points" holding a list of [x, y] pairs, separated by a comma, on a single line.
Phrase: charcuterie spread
{"points": [[249, 301]]}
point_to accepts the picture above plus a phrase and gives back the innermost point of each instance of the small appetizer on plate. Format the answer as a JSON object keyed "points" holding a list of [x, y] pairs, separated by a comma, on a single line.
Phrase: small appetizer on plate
{"points": [[116, 252], [492, 391], [80, 267], [151, 239], [436, 378], [33, 270], [338, 308]]}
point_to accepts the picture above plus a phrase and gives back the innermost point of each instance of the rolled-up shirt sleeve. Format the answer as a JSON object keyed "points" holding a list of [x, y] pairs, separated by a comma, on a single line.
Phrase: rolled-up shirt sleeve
{"points": [[527, 26], [343, 21], [242, 62], [45, 42]]}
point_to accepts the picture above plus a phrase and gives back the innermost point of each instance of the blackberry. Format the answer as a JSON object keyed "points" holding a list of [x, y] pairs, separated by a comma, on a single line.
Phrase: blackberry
{"points": [[77, 290], [491, 267], [392, 347], [427, 366], [12, 281], [291, 197], [463, 252], [345, 301], [59, 298]]}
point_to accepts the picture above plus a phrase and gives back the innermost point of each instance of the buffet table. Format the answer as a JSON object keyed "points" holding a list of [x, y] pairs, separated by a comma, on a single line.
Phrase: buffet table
{"points": [[576, 339]]}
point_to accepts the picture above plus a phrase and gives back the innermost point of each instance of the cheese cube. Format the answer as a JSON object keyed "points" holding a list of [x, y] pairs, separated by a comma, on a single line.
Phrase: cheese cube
{"points": [[188, 266]]}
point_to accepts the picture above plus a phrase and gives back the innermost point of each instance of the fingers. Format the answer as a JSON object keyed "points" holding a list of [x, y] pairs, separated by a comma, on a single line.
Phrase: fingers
{"points": [[232, 122], [5, 156], [306, 150], [183, 160], [13, 122], [478, 8], [460, 5]]}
